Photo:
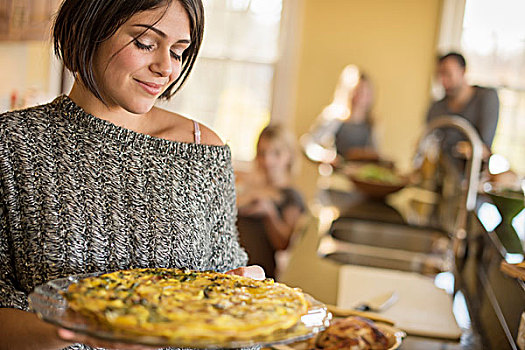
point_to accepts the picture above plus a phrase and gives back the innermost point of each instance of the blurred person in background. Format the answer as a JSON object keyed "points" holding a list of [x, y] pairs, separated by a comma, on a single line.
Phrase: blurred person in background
{"points": [[343, 131], [270, 208], [479, 105], [354, 139]]}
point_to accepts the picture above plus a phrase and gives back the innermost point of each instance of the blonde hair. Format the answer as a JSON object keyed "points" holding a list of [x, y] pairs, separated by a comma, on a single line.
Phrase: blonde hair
{"points": [[276, 132]]}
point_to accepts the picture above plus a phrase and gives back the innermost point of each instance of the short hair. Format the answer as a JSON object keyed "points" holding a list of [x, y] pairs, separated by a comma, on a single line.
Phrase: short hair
{"points": [[456, 56], [82, 25], [277, 132]]}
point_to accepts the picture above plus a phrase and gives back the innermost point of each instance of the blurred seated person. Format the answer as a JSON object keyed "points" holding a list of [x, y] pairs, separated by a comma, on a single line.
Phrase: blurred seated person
{"points": [[269, 207], [354, 139], [479, 105]]}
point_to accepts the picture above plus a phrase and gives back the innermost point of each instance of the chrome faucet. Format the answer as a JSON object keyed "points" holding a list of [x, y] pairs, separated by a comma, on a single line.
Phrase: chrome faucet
{"points": [[474, 168], [473, 171]]}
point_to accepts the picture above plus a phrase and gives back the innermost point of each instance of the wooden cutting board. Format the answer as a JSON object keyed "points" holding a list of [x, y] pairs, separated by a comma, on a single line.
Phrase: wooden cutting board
{"points": [[422, 309], [513, 270]]}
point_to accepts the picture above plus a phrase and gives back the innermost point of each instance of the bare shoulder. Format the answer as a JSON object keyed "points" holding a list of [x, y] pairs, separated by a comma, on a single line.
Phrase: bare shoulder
{"points": [[209, 137], [177, 127]]}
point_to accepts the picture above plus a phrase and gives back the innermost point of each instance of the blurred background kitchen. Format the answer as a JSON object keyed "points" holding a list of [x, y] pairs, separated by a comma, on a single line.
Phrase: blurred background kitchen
{"points": [[280, 62]]}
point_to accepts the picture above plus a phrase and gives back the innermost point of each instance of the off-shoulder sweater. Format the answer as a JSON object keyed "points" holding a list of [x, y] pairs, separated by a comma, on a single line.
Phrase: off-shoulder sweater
{"points": [[79, 194]]}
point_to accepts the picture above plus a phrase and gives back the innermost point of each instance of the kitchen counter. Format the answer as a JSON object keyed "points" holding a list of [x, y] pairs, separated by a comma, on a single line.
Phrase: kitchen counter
{"points": [[319, 276]]}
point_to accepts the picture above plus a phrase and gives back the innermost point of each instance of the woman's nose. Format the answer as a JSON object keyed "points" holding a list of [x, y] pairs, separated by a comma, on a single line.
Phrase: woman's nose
{"points": [[162, 64]]}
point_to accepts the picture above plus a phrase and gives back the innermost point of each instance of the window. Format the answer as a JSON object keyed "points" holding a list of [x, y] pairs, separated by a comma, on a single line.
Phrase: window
{"points": [[493, 41], [230, 88]]}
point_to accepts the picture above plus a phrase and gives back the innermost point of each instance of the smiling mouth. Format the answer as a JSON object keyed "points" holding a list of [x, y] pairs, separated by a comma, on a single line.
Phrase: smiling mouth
{"points": [[150, 88]]}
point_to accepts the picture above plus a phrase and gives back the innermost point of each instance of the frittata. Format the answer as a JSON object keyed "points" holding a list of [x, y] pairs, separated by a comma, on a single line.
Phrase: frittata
{"points": [[185, 305]]}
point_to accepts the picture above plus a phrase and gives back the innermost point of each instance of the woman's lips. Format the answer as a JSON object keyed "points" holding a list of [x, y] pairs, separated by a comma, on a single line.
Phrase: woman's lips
{"points": [[150, 88]]}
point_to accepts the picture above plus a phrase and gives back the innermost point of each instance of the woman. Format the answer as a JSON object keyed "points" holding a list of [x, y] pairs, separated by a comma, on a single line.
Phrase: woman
{"points": [[269, 207], [343, 130], [354, 138], [101, 179]]}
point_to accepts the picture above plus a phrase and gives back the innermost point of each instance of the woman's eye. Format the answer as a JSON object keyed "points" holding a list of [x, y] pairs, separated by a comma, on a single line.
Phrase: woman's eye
{"points": [[143, 46], [176, 56]]}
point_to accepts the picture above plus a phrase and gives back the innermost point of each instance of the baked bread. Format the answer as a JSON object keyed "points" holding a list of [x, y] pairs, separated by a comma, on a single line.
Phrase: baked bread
{"points": [[353, 333]]}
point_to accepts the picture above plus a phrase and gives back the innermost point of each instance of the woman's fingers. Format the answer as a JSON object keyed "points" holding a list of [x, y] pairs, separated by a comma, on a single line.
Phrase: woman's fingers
{"points": [[254, 271]]}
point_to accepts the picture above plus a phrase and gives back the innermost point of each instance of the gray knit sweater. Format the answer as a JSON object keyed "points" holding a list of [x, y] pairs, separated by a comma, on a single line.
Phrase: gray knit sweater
{"points": [[79, 194]]}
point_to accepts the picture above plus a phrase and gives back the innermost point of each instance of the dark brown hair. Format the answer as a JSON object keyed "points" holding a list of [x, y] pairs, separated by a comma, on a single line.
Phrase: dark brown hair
{"points": [[459, 58], [82, 25]]}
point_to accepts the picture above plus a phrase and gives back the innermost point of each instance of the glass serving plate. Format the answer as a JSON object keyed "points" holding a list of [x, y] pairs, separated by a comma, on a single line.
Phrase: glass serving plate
{"points": [[50, 305]]}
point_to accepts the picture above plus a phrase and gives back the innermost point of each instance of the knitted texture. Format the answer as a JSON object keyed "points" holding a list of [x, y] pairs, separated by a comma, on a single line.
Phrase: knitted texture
{"points": [[79, 194]]}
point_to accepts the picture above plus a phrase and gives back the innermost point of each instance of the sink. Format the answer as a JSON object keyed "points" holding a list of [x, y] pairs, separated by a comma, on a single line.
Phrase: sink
{"points": [[389, 235], [387, 245]]}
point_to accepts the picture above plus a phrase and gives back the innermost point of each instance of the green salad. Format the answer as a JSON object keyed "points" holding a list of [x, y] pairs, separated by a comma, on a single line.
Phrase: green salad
{"points": [[375, 173]]}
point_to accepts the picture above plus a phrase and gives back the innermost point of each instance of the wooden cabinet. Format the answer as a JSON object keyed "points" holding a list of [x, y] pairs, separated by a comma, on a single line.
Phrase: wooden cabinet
{"points": [[26, 19]]}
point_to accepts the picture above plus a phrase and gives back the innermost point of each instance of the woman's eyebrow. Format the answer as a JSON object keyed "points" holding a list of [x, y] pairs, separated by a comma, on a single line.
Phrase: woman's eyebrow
{"points": [[161, 33]]}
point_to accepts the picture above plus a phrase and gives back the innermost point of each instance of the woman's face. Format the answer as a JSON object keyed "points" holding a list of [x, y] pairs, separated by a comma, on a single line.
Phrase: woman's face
{"points": [[273, 157], [133, 73], [362, 96]]}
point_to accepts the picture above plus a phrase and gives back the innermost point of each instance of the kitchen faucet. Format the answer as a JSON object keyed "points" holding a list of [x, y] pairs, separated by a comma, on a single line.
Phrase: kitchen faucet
{"points": [[473, 171], [474, 164]]}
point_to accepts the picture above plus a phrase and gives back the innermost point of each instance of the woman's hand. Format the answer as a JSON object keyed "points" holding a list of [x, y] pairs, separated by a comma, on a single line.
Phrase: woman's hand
{"points": [[254, 271], [73, 337]]}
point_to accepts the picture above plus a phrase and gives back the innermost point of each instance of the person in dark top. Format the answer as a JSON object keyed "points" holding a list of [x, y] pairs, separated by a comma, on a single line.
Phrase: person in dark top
{"points": [[354, 139], [343, 131], [479, 105], [269, 207]]}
